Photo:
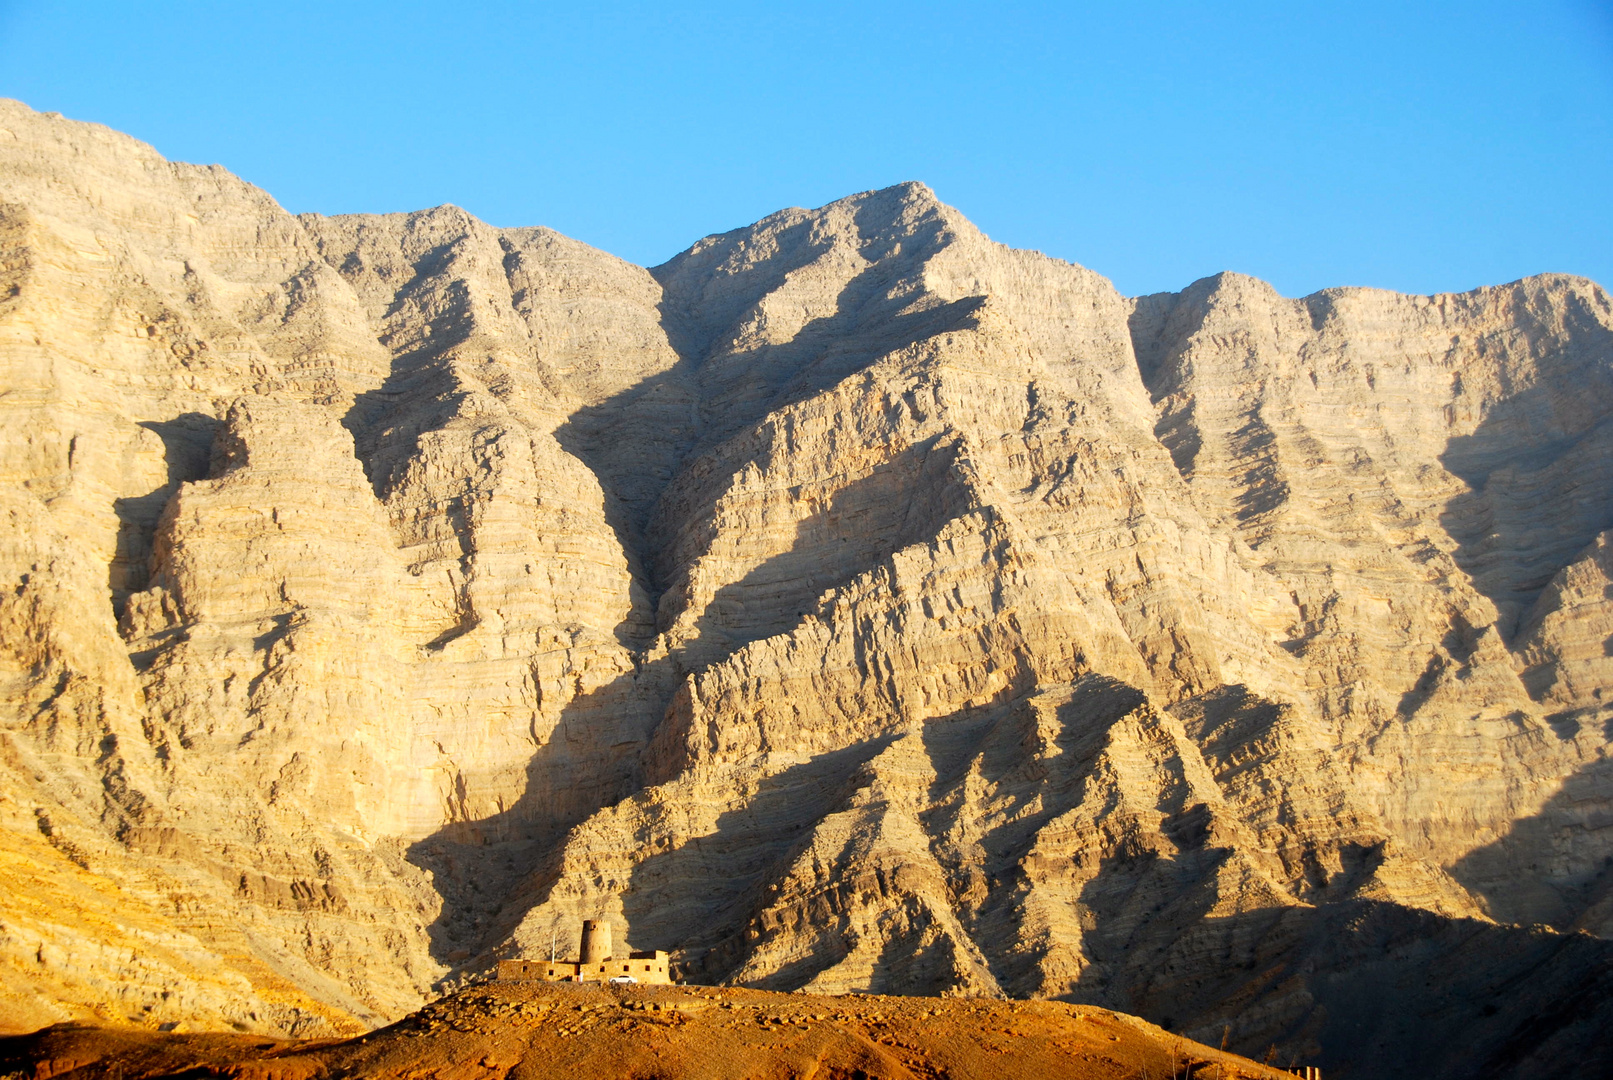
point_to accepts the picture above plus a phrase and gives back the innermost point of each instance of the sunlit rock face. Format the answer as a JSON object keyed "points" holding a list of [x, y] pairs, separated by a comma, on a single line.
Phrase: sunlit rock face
{"points": [[851, 603]]}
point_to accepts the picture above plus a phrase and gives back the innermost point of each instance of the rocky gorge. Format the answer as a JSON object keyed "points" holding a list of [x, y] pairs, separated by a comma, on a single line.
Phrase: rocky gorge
{"points": [[850, 604]]}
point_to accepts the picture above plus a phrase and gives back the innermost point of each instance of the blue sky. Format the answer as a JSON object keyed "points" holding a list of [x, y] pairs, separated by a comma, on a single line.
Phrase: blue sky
{"points": [[1415, 146]]}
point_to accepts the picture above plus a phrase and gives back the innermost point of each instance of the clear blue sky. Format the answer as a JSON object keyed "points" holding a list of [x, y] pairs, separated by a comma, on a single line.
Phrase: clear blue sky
{"points": [[1416, 146]]}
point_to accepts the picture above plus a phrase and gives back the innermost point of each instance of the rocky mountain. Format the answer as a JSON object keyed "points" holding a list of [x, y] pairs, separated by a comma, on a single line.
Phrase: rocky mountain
{"points": [[851, 603]]}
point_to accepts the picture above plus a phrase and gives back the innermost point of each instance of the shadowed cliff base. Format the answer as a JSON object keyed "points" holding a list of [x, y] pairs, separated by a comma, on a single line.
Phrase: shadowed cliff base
{"points": [[1369, 989]]}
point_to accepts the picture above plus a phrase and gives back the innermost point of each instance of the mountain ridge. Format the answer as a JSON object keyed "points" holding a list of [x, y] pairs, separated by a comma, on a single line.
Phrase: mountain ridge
{"points": [[850, 602]]}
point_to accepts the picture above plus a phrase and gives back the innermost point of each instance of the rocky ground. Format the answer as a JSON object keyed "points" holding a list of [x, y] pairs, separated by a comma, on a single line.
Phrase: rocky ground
{"points": [[535, 1030]]}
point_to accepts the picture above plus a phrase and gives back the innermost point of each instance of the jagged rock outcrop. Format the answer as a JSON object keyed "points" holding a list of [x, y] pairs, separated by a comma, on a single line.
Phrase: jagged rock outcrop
{"points": [[851, 603]]}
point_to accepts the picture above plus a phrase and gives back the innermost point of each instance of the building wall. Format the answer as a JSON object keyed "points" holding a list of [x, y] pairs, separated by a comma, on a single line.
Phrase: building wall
{"points": [[647, 967]]}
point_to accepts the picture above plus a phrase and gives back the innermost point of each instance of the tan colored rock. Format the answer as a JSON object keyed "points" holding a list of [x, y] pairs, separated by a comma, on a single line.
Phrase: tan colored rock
{"points": [[850, 603]]}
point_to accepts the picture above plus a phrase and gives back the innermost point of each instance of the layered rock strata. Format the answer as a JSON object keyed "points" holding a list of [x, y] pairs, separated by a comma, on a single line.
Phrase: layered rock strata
{"points": [[851, 603]]}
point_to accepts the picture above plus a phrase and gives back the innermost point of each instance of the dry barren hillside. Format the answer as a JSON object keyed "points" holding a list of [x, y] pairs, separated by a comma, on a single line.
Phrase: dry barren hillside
{"points": [[849, 604], [536, 1031]]}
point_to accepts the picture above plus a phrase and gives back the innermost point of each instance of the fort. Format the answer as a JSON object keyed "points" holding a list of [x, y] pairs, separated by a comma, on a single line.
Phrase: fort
{"points": [[594, 962]]}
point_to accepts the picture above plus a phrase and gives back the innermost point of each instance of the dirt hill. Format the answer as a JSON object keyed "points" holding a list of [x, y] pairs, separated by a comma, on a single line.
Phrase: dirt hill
{"points": [[520, 1031]]}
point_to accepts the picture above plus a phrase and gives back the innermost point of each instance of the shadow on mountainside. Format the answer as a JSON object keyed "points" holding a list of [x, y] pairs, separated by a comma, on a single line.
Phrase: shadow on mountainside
{"points": [[741, 386], [658, 422], [694, 899], [484, 868], [423, 375], [638, 441], [699, 898], [1371, 989], [476, 863], [1555, 866], [1537, 475], [704, 298], [1034, 780], [1360, 988], [911, 495], [187, 442], [905, 499]]}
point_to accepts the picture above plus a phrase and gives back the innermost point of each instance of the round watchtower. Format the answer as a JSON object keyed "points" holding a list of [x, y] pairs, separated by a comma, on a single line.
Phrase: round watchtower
{"points": [[595, 941]]}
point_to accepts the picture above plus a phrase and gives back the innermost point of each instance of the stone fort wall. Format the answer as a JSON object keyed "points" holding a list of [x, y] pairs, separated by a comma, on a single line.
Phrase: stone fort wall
{"points": [[646, 967]]}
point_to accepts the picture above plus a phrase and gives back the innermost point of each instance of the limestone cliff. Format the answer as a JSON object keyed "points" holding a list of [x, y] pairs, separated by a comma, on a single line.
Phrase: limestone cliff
{"points": [[850, 603]]}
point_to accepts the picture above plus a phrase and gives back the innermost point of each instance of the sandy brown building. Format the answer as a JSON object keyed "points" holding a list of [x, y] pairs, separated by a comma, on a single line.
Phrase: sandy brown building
{"points": [[594, 963]]}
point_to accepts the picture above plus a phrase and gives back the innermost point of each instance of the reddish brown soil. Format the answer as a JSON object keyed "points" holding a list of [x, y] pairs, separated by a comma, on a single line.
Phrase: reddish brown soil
{"points": [[531, 1030]]}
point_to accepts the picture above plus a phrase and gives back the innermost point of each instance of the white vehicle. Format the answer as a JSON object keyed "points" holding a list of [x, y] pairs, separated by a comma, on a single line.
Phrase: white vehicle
{"points": [[622, 980]]}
